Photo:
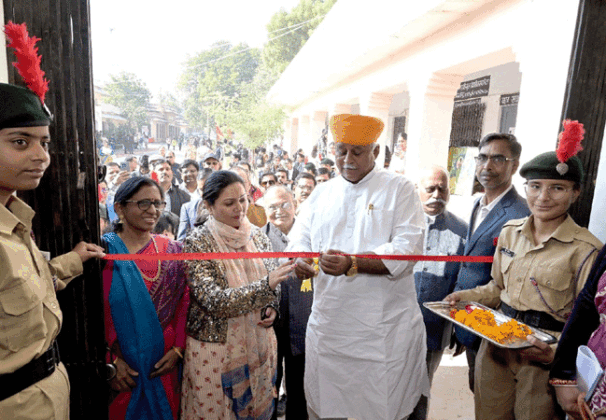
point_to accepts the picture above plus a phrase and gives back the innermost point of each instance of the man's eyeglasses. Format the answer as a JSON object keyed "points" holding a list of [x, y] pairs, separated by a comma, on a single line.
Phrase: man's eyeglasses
{"points": [[146, 204], [498, 160], [284, 206], [268, 183], [556, 192]]}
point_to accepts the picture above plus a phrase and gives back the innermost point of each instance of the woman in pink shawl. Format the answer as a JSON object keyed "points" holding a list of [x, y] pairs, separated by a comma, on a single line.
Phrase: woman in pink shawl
{"points": [[230, 359]]}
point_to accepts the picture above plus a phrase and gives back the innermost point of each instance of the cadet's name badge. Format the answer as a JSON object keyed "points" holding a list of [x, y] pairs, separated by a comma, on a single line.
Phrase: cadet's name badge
{"points": [[508, 252]]}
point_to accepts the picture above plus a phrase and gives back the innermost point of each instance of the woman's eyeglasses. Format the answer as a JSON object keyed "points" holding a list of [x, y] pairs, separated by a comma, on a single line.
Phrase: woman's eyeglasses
{"points": [[146, 204], [556, 192]]}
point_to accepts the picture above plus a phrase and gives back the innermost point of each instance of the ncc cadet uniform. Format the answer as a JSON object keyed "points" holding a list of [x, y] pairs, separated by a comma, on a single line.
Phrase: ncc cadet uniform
{"points": [[536, 284], [33, 381], [30, 320]]}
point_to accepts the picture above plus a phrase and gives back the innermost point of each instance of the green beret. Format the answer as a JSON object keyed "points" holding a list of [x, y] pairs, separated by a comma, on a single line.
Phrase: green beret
{"points": [[20, 107], [547, 166]]}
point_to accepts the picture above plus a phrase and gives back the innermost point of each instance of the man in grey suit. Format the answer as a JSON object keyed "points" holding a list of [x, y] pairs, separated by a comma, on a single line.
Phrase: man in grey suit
{"points": [[434, 280], [496, 164]]}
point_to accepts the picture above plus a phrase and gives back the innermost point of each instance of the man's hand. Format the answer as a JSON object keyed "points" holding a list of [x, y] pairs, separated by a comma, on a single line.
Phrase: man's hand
{"points": [[123, 381], [539, 352], [87, 251], [270, 318], [304, 269], [334, 264], [166, 364], [121, 177]]}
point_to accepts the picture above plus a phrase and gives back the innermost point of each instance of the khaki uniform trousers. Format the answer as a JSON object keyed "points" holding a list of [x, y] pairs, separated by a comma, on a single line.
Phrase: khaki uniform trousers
{"points": [[46, 400], [508, 387]]}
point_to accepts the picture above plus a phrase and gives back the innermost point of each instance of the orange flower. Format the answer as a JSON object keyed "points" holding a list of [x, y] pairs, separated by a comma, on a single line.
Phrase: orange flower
{"points": [[483, 322]]}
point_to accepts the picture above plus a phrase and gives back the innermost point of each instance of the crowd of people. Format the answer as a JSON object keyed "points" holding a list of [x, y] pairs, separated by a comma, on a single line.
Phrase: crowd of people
{"points": [[207, 338]]}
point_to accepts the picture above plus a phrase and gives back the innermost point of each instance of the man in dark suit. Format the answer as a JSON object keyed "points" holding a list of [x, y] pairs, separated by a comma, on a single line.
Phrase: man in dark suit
{"points": [[496, 164]]}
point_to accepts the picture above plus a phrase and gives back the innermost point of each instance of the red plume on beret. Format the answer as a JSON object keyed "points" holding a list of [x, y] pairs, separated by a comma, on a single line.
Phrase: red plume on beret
{"points": [[570, 140], [28, 60]]}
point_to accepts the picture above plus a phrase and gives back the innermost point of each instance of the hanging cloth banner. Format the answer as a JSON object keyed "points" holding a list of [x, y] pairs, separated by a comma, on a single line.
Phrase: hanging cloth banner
{"points": [[248, 255]]}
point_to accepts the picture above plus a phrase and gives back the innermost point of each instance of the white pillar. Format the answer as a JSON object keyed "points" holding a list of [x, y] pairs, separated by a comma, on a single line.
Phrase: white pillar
{"points": [[430, 120], [288, 143], [340, 109], [305, 140], [375, 104], [294, 135]]}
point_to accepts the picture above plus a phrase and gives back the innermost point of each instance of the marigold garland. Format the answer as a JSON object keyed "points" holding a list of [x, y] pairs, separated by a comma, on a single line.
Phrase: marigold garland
{"points": [[483, 322]]}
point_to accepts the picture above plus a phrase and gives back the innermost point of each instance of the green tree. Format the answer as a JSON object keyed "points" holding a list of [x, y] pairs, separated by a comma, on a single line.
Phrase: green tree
{"points": [[131, 95], [213, 79], [288, 32], [167, 99], [254, 120]]}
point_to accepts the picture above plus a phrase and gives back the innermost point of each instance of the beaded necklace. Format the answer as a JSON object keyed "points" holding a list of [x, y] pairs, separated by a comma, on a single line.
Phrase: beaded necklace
{"points": [[157, 276]]}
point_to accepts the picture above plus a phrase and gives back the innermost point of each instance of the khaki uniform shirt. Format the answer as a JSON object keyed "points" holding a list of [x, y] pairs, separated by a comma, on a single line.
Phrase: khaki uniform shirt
{"points": [[546, 277], [30, 317]]}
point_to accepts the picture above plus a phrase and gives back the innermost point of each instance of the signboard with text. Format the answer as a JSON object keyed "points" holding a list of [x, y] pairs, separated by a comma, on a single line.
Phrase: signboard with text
{"points": [[475, 88], [510, 99]]}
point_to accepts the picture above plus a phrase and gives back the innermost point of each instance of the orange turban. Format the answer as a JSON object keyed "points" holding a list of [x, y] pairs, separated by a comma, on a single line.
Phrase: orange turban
{"points": [[358, 130]]}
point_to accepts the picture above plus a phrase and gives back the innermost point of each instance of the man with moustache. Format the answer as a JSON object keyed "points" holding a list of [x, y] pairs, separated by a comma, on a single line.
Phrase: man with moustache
{"points": [[176, 168], [365, 342], [496, 164], [282, 176], [295, 304], [189, 172], [175, 197], [434, 280], [304, 185]]}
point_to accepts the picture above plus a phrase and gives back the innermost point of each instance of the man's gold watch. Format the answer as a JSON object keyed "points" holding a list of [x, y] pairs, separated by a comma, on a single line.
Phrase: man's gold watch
{"points": [[353, 270]]}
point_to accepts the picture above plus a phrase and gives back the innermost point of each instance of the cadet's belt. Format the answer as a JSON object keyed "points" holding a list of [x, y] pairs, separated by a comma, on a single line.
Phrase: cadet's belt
{"points": [[533, 318], [33, 372]]}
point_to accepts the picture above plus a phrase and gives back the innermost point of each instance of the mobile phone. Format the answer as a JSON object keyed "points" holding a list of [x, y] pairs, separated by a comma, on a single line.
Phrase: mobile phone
{"points": [[124, 166]]}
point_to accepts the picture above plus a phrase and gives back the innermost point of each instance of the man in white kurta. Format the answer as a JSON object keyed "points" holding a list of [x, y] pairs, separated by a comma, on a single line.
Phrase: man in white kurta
{"points": [[365, 338]]}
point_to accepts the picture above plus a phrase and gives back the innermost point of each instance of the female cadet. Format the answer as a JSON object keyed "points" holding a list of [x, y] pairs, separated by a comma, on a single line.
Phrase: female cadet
{"points": [[34, 381], [540, 266]]}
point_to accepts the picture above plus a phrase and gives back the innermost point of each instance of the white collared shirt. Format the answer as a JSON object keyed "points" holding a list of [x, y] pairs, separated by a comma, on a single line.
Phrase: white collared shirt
{"points": [[484, 208], [366, 329]]}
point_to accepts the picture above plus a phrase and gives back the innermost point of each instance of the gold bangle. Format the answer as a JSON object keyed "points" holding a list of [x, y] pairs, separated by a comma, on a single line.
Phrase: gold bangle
{"points": [[178, 351]]}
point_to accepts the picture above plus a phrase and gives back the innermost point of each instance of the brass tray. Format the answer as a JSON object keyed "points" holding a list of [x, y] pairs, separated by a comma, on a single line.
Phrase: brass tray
{"points": [[443, 309]]}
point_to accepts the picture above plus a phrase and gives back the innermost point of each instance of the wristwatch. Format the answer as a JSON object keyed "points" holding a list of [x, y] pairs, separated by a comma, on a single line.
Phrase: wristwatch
{"points": [[353, 270]]}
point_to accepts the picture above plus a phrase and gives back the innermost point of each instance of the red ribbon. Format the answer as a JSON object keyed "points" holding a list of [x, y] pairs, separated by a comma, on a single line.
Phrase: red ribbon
{"points": [[248, 255]]}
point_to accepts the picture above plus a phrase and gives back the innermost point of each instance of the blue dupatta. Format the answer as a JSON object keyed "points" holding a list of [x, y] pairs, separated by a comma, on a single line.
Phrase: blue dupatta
{"points": [[139, 333]]}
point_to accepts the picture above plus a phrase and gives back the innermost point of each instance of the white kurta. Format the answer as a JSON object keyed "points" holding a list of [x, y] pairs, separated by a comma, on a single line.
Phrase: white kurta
{"points": [[365, 344]]}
